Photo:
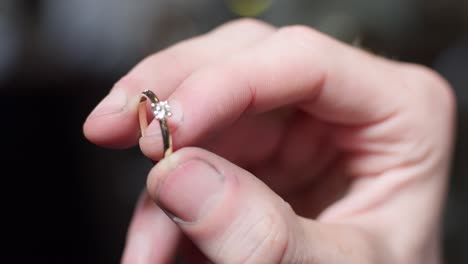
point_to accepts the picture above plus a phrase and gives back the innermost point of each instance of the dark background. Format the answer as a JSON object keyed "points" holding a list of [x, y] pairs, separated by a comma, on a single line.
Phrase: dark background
{"points": [[68, 201]]}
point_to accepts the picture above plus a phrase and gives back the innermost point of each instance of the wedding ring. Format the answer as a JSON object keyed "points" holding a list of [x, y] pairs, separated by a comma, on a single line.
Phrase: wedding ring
{"points": [[161, 111]]}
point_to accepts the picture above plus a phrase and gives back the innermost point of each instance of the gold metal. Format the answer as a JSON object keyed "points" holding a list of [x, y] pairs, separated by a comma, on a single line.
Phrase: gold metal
{"points": [[166, 135]]}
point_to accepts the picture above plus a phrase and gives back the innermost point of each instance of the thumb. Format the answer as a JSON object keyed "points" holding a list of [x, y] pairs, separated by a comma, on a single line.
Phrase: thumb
{"points": [[232, 217]]}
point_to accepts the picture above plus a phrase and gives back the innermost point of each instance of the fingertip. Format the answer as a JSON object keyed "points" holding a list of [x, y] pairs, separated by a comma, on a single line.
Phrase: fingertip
{"points": [[118, 130], [184, 182], [151, 146], [157, 173], [219, 205], [114, 121]]}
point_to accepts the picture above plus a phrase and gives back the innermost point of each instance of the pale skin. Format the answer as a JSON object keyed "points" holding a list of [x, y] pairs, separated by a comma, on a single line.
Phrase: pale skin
{"points": [[290, 147]]}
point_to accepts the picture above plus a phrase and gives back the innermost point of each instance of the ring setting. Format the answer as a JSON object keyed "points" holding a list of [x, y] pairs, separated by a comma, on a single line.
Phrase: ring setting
{"points": [[161, 111]]}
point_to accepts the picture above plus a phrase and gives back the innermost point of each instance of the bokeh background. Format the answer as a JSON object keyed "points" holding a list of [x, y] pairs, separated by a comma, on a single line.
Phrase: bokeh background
{"points": [[68, 201]]}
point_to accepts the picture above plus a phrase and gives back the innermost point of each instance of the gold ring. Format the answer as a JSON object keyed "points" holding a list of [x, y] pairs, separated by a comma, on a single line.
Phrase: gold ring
{"points": [[161, 111]]}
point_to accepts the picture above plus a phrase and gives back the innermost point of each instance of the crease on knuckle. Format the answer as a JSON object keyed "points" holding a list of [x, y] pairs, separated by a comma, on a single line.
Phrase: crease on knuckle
{"points": [[268, 240], [434, 99]]}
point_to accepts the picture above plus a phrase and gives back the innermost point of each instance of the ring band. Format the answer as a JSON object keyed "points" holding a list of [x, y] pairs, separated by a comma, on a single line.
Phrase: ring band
{"points": [[161, 111]]}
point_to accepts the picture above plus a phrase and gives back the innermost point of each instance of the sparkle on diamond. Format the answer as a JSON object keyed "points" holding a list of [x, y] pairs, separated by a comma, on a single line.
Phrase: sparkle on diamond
{"points": [[162, 110]]}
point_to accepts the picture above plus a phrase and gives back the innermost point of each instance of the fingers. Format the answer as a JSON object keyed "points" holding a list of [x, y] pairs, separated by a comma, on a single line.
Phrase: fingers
{"points": [[232, 217], [152, 237], [296, 65], [113, 122]]}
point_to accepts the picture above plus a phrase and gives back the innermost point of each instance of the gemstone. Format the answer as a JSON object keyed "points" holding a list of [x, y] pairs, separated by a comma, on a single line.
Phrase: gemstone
{"points": [[162, 110]]}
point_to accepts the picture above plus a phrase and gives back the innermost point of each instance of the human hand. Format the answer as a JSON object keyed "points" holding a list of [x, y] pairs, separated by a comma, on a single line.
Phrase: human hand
{"points": [[353, 151]]}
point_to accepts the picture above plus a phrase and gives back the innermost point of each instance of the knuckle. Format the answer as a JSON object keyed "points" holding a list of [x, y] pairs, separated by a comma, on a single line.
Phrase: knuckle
{"points": [[242, 24], [299, 33], [432, 85], [247, 23], [427, 96], [269, 239], [255, 238]]}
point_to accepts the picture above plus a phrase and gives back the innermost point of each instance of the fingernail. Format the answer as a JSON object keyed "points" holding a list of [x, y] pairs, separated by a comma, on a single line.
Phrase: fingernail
{"points": [[190, 191], [113, 103], [173, 121]]}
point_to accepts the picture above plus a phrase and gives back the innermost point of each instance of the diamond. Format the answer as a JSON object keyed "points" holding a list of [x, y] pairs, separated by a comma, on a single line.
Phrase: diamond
{"points": [[162, 110]]}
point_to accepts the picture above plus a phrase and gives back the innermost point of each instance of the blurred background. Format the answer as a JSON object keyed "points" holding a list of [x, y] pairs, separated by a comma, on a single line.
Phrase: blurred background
{"points": [[68, 201]]}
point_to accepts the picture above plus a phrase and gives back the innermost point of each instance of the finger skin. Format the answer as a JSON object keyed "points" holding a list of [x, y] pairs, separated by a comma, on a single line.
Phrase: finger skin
{"points": [[334, 83], [152, 237], [246, 222], [163, 72], [379, 112], [327, 79], [229, 232], [379, 109]]}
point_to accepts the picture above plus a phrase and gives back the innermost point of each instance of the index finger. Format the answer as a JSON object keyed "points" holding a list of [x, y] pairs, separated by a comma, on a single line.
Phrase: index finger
{"points": [[295, 66], [114, 121]]}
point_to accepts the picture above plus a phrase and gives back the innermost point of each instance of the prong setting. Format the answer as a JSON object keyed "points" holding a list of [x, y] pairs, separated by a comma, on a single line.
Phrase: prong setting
{"points": [[161, 110]]}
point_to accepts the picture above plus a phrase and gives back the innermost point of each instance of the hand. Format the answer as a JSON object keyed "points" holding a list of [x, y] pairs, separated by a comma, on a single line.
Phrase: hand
{"points": [[353, 151]]}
